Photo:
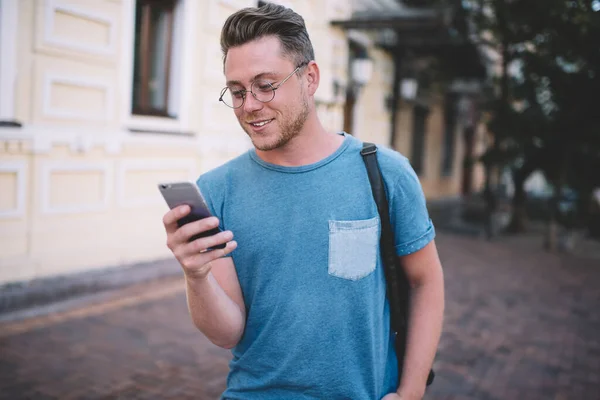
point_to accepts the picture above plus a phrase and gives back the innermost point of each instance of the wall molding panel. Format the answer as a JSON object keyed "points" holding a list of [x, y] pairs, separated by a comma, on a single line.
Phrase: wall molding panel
{"points": [[19, 168], [151, 165], [51, 167], [71, 43], [43, 139], [82, 83]]}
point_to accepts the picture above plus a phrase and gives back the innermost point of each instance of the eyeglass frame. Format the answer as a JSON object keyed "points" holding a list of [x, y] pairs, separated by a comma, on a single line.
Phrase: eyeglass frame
{"points": [[273, 88]]}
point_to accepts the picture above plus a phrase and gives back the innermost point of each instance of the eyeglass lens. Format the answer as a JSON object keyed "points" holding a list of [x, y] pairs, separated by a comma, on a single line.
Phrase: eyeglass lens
{"points": [[262, 91]]}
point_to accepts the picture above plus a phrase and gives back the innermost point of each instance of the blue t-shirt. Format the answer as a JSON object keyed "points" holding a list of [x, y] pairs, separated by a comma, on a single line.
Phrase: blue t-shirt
{"points": [[310, 272]]}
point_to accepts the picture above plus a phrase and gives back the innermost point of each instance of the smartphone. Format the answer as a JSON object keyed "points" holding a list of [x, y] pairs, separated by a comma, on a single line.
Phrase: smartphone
{"points": [[180, 193]]}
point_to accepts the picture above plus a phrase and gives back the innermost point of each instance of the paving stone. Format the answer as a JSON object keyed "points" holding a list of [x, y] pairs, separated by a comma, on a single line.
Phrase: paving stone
{"points": [[520, 324]]}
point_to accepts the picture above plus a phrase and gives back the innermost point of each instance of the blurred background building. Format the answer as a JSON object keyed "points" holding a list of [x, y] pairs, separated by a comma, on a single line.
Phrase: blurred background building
{"points": [[102, 99]]}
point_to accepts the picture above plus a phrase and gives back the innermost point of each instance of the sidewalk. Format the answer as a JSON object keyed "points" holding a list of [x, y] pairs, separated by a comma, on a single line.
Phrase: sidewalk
{"points": [[43, 296], [519, 324]]}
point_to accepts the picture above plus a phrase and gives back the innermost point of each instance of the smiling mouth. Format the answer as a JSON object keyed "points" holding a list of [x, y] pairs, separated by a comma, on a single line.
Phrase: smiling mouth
{"points": [[261, 123]]}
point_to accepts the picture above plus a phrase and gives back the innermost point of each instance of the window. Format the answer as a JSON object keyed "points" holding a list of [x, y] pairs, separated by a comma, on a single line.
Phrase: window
{"points": [[418, 138], [153, 58]]}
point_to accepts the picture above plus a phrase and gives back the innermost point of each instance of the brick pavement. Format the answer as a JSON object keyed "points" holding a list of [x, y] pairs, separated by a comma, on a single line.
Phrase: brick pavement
{"points": [[519, 325]]}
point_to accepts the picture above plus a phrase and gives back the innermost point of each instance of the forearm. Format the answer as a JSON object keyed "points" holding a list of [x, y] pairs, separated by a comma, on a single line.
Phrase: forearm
{"points": [[214, 313], [425, 327]]}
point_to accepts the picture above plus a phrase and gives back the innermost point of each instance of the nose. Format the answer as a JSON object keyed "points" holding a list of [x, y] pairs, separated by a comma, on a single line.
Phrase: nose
{"points": [[251, 104]]}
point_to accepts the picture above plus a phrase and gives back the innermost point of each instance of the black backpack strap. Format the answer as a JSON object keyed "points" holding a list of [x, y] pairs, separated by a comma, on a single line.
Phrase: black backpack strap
{"points": [[398, 288], [387, 243]]}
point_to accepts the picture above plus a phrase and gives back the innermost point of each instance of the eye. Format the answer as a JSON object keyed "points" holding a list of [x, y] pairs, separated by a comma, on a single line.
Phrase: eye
{"points": [[263, 86], [237, 93]]}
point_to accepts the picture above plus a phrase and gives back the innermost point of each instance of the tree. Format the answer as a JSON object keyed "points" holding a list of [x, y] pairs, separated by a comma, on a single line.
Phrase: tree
{"points": [[543, 114], [545, 94], [561, 86]]}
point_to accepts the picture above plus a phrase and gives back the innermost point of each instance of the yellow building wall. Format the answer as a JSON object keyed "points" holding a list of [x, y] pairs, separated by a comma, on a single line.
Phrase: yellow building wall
{"points": [[372, 120], [435, 184], [14, 206], [77, 187]]}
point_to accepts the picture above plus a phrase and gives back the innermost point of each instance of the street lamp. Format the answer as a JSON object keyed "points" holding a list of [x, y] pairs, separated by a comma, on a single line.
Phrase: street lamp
{"points": [[409, 88], [362, 71]]}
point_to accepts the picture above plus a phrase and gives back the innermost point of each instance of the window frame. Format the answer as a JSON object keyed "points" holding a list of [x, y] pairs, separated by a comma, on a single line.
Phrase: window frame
{"points": [[143, 107], [185, 46]]}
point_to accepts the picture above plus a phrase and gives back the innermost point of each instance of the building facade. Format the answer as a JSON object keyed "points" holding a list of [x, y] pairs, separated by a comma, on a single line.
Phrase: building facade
{"points": [[102, 99]]}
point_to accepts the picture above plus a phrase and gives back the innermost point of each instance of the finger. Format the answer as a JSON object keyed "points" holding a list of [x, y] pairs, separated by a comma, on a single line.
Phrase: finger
{"points": [[202, 225], [200, 264], [202, 244], [209, 256], [170, 218]]}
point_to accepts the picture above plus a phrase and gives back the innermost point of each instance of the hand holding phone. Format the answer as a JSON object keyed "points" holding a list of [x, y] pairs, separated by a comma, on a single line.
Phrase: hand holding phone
{"points": [[193, 235], [187, 193]]}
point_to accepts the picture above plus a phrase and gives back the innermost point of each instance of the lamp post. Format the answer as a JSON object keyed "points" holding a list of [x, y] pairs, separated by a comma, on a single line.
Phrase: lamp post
{"points": [[360, 73]]}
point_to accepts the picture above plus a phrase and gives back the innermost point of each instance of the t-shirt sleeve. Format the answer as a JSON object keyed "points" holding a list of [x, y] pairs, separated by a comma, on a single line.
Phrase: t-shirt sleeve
{"points": [[208, 193], [413, 228]]}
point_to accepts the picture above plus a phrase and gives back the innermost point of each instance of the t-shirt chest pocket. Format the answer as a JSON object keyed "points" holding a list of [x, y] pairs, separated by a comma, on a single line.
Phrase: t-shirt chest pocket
{"points": [[353, 248]]}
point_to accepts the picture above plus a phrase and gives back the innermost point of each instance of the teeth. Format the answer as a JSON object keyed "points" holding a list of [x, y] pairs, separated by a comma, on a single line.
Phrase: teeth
{"points": [[262, 123]]}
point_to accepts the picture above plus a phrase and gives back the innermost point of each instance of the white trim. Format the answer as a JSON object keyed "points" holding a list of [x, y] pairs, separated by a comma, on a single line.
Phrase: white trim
{"points": [[81, 140], [44, 139], [9, 22], [83, 82], [188, 51], [160, 140], [126, 64], [48, 168], [20, 168], [128, 165], [241, 3], [150, 124], [182, 71], [175, 79], [52, 6], [15, 134]]}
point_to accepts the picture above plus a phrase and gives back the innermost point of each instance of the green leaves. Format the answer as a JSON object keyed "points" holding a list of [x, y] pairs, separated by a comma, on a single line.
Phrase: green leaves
{"points": [[551, 92]]}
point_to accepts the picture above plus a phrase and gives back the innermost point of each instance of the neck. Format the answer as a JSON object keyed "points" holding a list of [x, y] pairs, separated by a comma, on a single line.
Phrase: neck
{"points": [[312, 144]]}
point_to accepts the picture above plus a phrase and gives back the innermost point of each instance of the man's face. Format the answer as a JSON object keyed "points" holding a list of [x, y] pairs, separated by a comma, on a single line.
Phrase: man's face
{"points": [[272, 124]]}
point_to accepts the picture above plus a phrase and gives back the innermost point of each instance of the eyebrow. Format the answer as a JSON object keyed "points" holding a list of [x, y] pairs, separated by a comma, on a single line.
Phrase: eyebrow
{"points": [[257, 76]]}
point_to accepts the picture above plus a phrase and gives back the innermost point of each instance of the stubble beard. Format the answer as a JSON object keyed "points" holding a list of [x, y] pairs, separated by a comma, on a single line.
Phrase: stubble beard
{"points": [[289, 129]]}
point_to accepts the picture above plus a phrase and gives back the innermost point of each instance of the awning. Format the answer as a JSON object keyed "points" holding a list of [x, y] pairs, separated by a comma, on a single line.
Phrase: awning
{"points": [[392, 14], [433, 31]]}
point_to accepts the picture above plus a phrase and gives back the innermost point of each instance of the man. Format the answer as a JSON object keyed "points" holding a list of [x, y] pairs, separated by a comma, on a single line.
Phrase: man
{"points": [[301, 302]]}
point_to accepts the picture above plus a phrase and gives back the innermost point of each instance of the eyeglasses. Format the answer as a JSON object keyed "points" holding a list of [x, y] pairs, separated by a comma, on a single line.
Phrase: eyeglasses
{"points": [[261, 89]]}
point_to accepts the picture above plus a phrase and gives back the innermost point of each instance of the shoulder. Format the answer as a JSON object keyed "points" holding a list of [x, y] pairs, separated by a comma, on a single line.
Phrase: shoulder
{"points": [[214, 183], [221, 173], [402, 183], [395, 167]]}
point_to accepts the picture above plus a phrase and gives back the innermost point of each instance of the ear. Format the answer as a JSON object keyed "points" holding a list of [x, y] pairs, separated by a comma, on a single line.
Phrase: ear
{"points": [[313, 77]]}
